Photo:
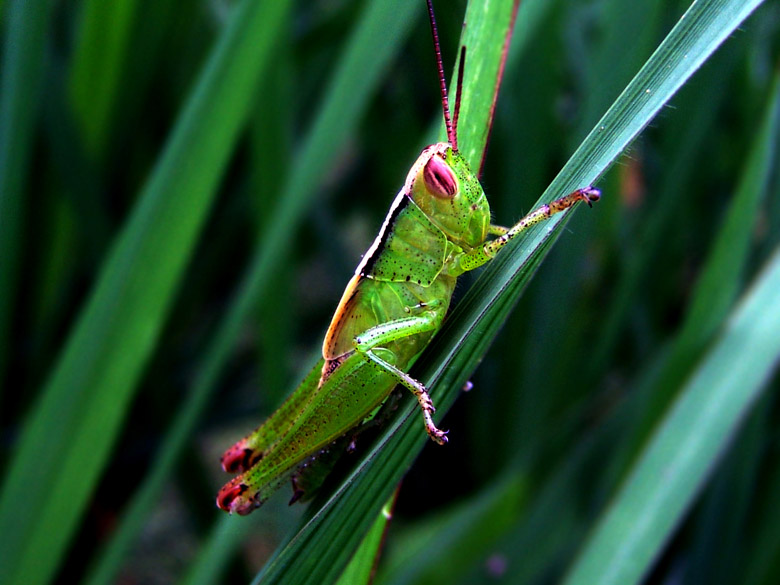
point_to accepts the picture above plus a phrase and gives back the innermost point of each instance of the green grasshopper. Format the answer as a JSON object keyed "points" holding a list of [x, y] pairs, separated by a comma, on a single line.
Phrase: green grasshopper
{"points": [[436, 229]]}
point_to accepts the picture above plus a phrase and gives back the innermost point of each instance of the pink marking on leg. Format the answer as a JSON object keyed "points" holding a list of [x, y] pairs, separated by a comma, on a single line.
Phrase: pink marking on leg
{"points": [[232, 498], [239, 457]]}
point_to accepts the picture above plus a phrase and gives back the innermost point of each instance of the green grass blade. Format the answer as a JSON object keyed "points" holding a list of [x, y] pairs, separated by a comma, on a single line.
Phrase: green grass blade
{"points": [[331, 531], [98, 63], [70, 433], [692, 436], [25, 25], [363, 563], [763, 567], [322, 547], [487, 34], [722, 276], [209, 566], [716, 289], [456, 539]]}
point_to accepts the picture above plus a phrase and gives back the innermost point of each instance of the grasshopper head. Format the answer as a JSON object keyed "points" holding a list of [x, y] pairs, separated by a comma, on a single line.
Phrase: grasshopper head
{"points": [[442, 184]]}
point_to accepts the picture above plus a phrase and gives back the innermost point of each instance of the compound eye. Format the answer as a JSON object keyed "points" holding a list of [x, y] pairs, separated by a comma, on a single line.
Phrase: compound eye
{"points": [[439, 178]]}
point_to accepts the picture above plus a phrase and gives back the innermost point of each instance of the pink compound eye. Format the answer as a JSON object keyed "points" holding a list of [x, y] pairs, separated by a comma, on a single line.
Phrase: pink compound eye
{"points": [[439, 178]]}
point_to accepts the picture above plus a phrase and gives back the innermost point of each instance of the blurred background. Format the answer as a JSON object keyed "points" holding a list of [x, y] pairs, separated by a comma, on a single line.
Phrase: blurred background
{"points": [[142, 333]]}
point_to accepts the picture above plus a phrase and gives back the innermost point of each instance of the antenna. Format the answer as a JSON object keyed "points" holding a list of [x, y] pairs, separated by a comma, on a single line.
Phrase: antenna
{"points": [[458, 92], [451, 130]]}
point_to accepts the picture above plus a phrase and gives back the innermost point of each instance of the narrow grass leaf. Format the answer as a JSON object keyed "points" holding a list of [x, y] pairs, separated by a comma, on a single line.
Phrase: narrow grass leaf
{"points": [[322, 547], [98, 64], [722, 276], [687, 444], [457, 538], [333, 531], [25, 25], [70, 433], [361, 567], [216, 553]]}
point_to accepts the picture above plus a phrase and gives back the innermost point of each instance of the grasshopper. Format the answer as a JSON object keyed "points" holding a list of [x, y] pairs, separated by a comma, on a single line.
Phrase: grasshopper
{"points": [[437, 229]]}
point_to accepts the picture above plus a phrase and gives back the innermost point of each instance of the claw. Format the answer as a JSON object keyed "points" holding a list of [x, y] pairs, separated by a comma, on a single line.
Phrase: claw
{"points": [[229, 498], [298, 492], [438, 436], [590, 195]]}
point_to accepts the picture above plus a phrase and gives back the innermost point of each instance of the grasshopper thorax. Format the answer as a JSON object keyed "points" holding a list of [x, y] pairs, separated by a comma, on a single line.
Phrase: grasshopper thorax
{"points": [[443, 186]]}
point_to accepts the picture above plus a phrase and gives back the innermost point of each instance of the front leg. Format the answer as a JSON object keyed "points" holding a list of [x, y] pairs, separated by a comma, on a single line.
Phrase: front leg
{"points": [[488, 251], [371, 342]]}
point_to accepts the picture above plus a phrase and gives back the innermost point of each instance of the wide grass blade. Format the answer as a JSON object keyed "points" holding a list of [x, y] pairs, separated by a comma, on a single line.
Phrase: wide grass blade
{"points": [[700, 437], [98, 64], [720, 281], [332, 531], [363, 563], [456, 539], [72, 428], [328, 540], [25, 25], [685, 448]]}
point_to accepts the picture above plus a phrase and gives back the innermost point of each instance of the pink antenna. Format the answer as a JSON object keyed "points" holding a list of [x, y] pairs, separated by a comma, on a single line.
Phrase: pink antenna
{"points": [[451, 132]]}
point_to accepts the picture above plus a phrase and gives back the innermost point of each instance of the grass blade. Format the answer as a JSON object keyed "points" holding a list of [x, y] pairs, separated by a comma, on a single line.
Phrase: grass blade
{"points": [[69, 436], [683, 451], [322, 547], [330, 531], [715, 291], [25, 28], [456, 539], [363, 564], [721, 277], [97, 65]]}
